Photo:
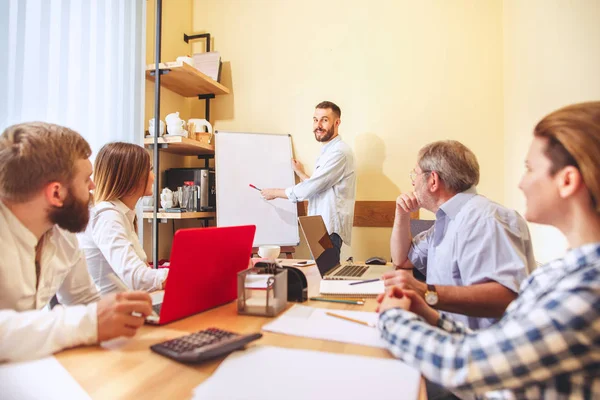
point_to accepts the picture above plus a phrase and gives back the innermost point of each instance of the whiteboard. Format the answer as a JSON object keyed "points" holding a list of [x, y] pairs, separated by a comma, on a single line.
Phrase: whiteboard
{"points": [[263, 160]]}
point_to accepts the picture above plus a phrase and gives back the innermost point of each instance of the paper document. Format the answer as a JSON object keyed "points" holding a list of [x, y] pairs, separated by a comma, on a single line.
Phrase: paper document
{"points": [[319, 375], [344, 288], [257, 281], [40, 379], [315, 323]]}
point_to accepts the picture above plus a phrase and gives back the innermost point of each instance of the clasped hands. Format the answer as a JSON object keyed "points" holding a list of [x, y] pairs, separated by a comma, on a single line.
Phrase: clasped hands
{"points": [[403, 291]]}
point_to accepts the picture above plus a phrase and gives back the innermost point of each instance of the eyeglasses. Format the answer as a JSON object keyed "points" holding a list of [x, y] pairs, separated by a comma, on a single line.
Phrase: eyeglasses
{"points": [[413, 174]]}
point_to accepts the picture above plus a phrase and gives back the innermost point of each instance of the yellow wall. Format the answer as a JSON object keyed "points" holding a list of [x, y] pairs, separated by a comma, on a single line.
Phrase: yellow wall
{"points": [[552, 58], [405, 73]]}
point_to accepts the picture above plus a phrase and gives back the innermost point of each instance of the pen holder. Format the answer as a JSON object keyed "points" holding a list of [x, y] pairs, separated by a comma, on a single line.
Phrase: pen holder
{"points": [[262, 291]]}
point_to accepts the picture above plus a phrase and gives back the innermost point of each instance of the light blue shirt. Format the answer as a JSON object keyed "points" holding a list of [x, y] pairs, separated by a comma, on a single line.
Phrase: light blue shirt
{"points": [[474, 240], [331, 189]]}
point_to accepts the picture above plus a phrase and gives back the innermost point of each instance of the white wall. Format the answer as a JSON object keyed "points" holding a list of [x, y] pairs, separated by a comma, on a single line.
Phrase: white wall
{"points": [[551, 59]]}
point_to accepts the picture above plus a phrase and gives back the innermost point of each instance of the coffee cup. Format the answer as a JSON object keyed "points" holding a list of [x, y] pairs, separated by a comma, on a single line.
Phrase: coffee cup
{"points": [[269, 252], [147, 201], [176, 130], [151, 128]]}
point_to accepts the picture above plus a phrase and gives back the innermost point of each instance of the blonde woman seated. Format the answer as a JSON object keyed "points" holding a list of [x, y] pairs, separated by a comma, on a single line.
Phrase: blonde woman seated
{"points": [[122, 174]]}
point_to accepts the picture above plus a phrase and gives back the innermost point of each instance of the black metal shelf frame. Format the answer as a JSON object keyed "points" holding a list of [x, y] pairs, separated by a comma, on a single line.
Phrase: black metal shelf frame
{"points": [[156, 146]]}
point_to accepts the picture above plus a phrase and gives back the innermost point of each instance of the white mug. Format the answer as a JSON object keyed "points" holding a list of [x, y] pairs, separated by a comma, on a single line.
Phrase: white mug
{"points": [[176, 130], [151, 127], [269, 252], [201, 124], [147, 201]]}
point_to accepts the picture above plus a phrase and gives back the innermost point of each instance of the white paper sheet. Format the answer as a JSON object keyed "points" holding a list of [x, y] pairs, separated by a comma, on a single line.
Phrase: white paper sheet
{"points": [[40, 379], [273, 373], [315, 323]]}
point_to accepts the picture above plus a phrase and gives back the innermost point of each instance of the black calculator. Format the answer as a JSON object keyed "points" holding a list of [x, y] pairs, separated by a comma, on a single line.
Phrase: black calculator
{"points": [[204, 345]]}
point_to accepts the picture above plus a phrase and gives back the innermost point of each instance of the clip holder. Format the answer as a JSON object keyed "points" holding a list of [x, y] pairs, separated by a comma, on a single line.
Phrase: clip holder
{"points": [[262, 290]]}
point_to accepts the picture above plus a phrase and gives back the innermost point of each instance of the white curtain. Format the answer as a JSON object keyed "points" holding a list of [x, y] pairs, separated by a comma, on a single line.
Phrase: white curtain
{"points": [[78, 63]]}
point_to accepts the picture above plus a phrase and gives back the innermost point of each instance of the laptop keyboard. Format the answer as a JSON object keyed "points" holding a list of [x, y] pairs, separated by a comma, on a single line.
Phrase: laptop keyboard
{"points": [[157, 307], [352, 270]]}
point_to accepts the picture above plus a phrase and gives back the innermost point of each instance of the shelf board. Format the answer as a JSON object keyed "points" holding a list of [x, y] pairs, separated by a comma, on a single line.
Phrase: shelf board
{"points": [[183, 215], [186, 80], [183, 146]]}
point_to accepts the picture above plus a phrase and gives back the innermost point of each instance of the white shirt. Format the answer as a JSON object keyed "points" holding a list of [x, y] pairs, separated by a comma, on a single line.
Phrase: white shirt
{"points": [[112, 247], [27, 329], [331, 189], [474, 240]]}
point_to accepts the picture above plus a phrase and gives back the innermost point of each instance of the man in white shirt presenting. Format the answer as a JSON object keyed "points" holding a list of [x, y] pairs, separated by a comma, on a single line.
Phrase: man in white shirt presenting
{"points": [[331, 189], [45, 183]]}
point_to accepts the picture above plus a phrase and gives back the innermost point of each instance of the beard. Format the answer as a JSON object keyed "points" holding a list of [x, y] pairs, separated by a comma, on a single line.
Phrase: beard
{"points": [[324, 138], [74, 214]]}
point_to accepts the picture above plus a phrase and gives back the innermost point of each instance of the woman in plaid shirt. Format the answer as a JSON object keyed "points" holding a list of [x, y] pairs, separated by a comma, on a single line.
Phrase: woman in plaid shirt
{"points": [[547, 344]]}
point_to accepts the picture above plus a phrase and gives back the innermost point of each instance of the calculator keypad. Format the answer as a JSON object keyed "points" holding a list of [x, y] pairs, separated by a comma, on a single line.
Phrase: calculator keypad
{"points": [[203, 345]]}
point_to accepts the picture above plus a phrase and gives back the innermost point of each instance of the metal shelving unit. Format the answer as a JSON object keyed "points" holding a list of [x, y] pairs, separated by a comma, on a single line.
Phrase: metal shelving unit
{"points": [[186, 81]]}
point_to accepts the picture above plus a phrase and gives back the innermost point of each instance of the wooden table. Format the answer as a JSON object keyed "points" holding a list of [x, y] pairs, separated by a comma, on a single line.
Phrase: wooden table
{"points": [[128, 369]]}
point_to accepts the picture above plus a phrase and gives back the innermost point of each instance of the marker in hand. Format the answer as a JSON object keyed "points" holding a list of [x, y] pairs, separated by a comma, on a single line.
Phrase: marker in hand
{"points": [[254, 187]]}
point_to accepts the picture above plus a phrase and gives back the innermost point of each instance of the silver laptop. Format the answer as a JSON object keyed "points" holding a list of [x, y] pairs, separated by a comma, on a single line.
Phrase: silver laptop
{"points": [[326, 256]]}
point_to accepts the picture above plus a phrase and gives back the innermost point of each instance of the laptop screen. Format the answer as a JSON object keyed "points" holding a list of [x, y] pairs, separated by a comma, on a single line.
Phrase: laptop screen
{"points": [[319, 243]]}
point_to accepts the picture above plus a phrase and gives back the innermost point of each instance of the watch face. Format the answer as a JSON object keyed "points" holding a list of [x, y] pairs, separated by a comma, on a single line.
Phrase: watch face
{"points": [[431, 298]]}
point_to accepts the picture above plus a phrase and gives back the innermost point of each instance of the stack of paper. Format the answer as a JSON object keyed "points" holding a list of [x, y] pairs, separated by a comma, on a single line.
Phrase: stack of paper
{"points": [[273, 373], [315, 323], [40, 379], [209, 64]]}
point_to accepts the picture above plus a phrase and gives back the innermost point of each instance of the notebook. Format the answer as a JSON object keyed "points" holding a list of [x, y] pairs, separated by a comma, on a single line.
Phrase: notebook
{"points": [[344, 289]]}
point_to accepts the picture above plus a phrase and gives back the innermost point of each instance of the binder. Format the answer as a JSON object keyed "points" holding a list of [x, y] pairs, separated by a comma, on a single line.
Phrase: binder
{"points": [[343, 289]]}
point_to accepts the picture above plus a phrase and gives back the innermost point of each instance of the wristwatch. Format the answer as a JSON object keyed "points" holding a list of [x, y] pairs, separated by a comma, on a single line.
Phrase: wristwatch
{"points": [[431, 296]]}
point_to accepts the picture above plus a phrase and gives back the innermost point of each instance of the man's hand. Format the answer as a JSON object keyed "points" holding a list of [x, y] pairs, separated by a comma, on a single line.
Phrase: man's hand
{"points": [[298, 167], [270, 194], [115, 314], [407, 203], [404, 279], [407, 300]]}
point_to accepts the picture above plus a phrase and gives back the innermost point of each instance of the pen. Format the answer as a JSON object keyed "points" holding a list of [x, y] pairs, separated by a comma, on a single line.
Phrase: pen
{"points": [[123, 287], [254, 187], [358, 321], [359, 302], [367, 281]]}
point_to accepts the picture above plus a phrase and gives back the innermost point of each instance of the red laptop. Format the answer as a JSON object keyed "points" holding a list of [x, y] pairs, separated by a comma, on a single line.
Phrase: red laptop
{"points": [[203, 272]]}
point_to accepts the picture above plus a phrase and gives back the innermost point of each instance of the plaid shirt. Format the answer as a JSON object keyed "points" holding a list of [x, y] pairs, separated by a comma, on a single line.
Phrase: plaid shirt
{"points": [[546, 346]]}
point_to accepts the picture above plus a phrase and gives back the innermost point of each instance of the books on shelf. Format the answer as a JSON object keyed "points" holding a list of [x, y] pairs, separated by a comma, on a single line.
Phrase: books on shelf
{"points": [[209, 64]]}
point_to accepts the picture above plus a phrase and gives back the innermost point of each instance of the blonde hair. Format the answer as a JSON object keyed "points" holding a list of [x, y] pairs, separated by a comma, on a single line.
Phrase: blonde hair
{"points": [[573, 134], [120, 170], [455, 164], [34, 154]]}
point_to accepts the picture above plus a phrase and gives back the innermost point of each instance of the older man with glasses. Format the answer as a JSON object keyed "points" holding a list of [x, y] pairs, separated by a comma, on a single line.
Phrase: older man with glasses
{"points": [[475, 255]]}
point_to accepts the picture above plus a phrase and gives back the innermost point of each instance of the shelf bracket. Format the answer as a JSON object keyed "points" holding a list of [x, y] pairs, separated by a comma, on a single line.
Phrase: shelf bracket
{"points": [[187, 38], [206, 98], [160, 72], [206, 158]]}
